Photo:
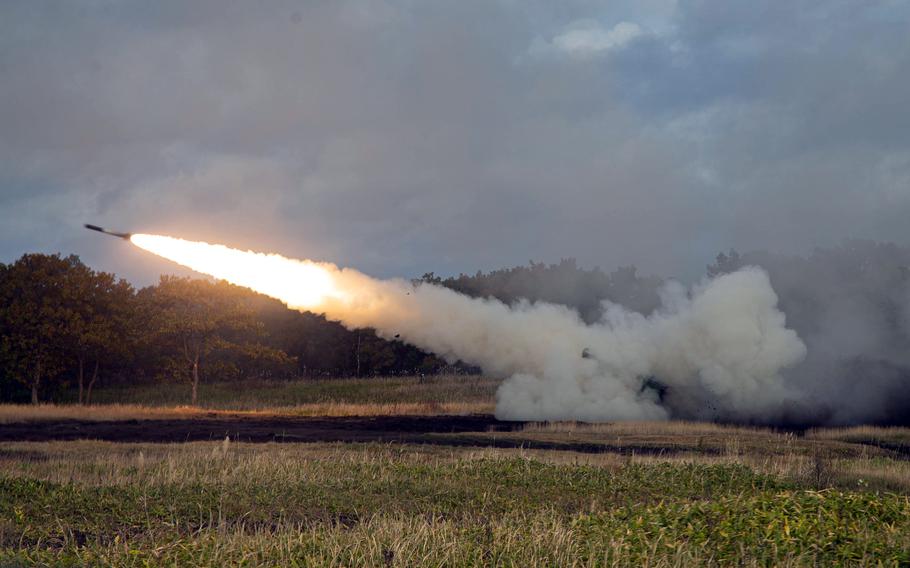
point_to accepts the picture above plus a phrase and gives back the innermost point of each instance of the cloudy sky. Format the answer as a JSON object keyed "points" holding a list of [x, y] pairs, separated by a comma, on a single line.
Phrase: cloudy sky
{"points": [[400, 137]]}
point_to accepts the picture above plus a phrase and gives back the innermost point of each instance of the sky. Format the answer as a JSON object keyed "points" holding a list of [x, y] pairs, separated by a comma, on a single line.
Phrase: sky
{"points": [[401, 137]]}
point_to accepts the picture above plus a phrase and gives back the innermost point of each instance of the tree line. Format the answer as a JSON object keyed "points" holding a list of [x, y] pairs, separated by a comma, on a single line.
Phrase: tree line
{"points": [[66, 328]]}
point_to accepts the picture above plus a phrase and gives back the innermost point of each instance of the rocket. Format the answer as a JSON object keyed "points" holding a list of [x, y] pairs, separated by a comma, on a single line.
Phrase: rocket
{"points": [[124, 236]]}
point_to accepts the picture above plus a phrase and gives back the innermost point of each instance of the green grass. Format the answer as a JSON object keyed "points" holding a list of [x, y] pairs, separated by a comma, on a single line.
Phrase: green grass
{"points": [[325, 504], [625, 494], [827, 527], [271, 394]]}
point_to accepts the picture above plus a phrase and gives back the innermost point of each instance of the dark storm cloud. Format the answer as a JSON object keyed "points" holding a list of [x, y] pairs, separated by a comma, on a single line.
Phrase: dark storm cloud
{"points": [[402, 137]]}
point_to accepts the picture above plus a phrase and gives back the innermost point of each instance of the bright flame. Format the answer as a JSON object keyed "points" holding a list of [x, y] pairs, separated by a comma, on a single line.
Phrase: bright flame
{"points": [[298, 283]]}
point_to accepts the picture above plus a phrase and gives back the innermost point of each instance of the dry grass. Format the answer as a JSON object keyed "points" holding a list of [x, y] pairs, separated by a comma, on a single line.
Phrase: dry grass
{"points": [[672, 437], [863, 434], [646, 493], [390, 409], [665, 428], [108, 463], [228, 463], [375, 396], [260, 395], [383, 540], [11, 413], [223, 503], [841, 457], [861, 456]]}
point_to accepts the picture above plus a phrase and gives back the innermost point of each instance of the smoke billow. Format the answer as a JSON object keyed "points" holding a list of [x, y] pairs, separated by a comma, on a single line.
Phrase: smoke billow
{"points": [[715, 351], [850, 305], [721, 350]]}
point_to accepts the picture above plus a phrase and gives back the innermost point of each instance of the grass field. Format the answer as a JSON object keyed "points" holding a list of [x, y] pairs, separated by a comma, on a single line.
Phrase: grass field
{"points": [[461, 389], [445, 394], [637, 494]]}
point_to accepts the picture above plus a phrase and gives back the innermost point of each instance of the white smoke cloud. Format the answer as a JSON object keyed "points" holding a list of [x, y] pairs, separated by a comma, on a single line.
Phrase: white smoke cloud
{"points": [[722, 344]]}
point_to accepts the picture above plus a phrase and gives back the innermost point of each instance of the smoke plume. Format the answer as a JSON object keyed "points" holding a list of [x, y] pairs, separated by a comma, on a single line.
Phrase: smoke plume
{"points": [[715, 351], [850, 305]]}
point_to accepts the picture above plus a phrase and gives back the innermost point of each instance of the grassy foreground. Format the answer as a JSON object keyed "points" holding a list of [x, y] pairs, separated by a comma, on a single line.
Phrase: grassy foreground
{"points": [[629, 494], [215, 504]]}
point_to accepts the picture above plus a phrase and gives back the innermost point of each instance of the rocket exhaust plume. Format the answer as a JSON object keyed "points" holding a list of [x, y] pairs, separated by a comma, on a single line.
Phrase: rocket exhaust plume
{"points": [[713, 352]]}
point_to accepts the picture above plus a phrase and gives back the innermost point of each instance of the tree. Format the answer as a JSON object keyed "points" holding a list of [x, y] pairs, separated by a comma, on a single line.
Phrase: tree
{"points": [[725, 264], [100, 331], [562, 283], [38, 305], [196, 321]]}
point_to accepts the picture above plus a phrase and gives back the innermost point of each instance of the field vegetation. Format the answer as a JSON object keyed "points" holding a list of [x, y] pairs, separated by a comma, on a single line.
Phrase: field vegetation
{"points": [[219, 503], [268, 395], [558, 494], [378, 396]]}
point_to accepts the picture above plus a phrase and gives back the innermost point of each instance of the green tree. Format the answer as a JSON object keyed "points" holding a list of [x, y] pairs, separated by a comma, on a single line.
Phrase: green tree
{"points": [[38, 305], [199, 322], [100, 331]]}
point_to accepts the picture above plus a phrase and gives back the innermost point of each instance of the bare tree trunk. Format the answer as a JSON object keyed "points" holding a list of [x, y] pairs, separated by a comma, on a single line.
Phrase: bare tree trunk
{"points": [[91, 383], [195, 379], [194, 362], [35, 382], [81, 378], [358, 354]]}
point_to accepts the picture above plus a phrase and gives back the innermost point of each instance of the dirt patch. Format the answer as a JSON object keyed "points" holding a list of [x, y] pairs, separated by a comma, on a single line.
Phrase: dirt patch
{"points": [[255, 429], [475, 430]]}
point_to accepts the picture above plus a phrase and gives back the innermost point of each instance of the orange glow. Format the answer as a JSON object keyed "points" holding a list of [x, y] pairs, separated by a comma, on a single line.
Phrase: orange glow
{"points": [[297, 283]]}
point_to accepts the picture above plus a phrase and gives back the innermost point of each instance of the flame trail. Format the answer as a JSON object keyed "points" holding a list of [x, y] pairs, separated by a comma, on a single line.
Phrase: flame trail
{"points": [[724, 342], [299, 284]]}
